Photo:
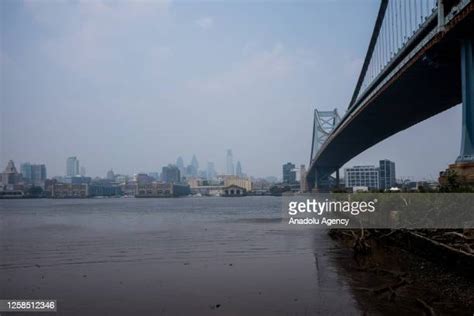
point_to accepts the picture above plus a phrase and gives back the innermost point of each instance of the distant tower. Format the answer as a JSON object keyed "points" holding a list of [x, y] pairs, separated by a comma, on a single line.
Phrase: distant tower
{"points": [[83, 171], [230, 163], [110, 175], [195, 163], [180, 165], [238, 169], [289, 173], [72, 167], [324, 124]]}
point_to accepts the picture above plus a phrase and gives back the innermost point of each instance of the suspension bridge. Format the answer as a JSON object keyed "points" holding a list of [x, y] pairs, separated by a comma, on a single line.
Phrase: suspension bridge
{"points": [[419, 63]]}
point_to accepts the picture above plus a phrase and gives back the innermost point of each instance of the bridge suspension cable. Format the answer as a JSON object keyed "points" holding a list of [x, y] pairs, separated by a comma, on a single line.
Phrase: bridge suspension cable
{"points": [[398, 22]]}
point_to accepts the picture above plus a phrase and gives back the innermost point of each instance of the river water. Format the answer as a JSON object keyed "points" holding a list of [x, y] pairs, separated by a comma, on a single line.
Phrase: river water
{"points": [[185, 256]]}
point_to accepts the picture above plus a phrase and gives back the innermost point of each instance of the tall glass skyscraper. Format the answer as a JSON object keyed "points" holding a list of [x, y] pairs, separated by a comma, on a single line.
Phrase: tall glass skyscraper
{"points": [[387, 174], [289, 173], [238, 169]]}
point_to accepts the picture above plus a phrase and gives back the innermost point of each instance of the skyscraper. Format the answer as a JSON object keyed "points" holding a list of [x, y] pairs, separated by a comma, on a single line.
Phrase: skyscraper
{"points": [[72, 166], [195, 163], [170, 174], [289, 173], [33, 174], [238, 169], [180, 165], [38, 175], [229, 163], [25, 169], [387, 174]]}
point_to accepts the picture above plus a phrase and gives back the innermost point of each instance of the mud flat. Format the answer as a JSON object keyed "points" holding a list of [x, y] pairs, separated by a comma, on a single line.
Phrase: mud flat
{"points": [[400, 271]]}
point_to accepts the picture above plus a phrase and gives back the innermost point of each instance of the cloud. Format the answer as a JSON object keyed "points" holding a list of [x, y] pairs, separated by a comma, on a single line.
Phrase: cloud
{"points": [[205, 23]]}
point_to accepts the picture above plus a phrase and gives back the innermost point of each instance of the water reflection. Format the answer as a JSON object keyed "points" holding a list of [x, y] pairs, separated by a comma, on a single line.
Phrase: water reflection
{"points": [[177, 256]]}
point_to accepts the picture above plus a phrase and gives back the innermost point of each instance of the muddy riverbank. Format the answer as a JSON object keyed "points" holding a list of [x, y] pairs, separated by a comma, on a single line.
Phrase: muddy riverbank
{"points": [[389, 279]]}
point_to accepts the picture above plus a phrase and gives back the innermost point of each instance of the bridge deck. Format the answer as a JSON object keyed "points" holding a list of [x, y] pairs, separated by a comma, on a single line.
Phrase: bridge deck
{"points": [[429, 83]]}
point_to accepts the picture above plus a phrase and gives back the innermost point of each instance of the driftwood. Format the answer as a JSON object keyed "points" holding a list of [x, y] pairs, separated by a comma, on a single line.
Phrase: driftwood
{"points": [[426, 308], [456, 234], [360, 246]]}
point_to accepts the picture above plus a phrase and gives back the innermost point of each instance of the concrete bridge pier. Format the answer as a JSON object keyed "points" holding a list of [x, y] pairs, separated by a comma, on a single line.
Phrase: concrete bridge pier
{"points": [[322, 181], [467, 78], [464, 165]]}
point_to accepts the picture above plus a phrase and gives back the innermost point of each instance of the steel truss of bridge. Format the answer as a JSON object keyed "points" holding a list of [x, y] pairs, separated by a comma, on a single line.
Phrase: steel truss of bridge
{"points": [[419, 63]]}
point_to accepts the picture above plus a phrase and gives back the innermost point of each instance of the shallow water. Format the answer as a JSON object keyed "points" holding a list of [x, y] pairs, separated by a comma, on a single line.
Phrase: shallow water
{"points": [[186, 256], [168, 256]]}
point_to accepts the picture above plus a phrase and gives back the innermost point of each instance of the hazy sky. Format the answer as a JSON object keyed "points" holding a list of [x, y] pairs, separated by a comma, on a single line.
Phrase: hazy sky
{"points": [[132, 85]]}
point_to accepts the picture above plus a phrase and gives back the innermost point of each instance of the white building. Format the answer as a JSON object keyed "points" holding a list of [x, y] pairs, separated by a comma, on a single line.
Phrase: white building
{"points": [[72, 167], [362, 176]]}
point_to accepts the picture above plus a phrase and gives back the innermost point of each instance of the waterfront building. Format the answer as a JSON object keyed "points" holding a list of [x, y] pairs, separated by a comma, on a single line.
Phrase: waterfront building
{"points": [[387, 174], [362, 176], [128, 189], [72, 166], [194, 182], [121, 178], [245, 183], [289, 173], [77, 180], [69, 190], [157, 189], [143, 178], [234, 190], [104, 188], [170, 174], [229, 163]]}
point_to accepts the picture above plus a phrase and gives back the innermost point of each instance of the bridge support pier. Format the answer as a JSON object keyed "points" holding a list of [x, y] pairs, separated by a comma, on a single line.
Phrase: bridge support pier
{"points": [[323, 181], [467, 74], [464, 165]]}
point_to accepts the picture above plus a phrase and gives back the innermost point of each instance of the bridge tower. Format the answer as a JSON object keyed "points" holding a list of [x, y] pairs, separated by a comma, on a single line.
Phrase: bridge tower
{"points": [[467, 80], [464, 165], [324, 123]]}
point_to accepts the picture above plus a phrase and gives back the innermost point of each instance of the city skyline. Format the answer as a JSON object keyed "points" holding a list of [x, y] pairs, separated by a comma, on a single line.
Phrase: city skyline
{"points": [[262, 79]]}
